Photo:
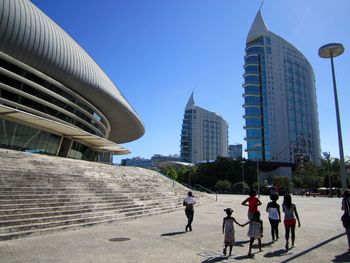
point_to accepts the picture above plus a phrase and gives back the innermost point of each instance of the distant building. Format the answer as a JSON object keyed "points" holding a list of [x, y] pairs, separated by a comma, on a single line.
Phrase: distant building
{"points": [[204, 134], [150, 163], [157, 158], [137, 161], [281, 118], [235, 151]]}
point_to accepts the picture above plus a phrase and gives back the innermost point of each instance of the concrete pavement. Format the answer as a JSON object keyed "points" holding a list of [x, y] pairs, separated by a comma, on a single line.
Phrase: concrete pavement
{"points": [[161, 238]]}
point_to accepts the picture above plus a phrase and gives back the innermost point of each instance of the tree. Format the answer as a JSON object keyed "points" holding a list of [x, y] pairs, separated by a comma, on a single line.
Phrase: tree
{"points": [[223, 186], [282, 183], [308, 176]]}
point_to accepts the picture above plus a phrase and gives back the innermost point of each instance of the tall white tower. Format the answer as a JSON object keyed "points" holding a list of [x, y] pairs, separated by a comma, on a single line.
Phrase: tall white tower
{"points": [[281, 118], [204, 134]]}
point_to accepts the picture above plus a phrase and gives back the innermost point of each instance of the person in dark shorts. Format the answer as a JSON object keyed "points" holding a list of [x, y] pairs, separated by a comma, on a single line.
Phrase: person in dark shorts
{"points": [[189, 210], [274, 216]]}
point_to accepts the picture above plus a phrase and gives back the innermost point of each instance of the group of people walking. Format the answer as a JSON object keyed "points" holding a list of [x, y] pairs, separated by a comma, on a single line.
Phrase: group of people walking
{"points": [[255, 231]]}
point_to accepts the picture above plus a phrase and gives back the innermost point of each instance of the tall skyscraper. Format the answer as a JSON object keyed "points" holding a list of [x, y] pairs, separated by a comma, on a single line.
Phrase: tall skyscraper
{"points": [[204, 134], [281, 118]]}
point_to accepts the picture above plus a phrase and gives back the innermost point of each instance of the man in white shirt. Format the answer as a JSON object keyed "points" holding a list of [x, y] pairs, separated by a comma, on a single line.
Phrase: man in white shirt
{"points": [[189, 211]]}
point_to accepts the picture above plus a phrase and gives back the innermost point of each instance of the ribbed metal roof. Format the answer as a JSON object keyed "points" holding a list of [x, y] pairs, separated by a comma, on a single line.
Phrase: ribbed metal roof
{"points": [[30, 36]]}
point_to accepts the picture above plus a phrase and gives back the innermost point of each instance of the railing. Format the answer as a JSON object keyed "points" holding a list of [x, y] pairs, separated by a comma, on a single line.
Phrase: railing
{"points": [[196, 186]]}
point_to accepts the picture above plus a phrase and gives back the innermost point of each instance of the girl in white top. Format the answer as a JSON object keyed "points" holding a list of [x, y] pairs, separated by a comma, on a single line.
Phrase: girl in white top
{"points": [[274, 216]]}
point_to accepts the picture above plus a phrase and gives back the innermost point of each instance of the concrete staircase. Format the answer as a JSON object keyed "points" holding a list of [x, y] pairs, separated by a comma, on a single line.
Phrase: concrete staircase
{"points": [[39, 194]]}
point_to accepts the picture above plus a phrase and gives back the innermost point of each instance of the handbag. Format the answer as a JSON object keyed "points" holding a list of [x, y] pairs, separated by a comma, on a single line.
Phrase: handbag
{"points": [[346, 220]]}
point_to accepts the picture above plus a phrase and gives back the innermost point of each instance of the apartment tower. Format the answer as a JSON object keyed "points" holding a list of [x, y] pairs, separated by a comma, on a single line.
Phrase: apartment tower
{"points": [[204, 134], [281, 118]]}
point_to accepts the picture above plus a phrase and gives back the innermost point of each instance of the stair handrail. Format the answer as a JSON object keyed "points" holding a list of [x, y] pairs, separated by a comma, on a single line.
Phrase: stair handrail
{"points": [[174, 181], [191, 187], [206, 189]]}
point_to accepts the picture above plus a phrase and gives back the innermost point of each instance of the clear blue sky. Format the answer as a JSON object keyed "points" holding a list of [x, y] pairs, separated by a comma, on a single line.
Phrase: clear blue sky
{"points": [[157, 51]]}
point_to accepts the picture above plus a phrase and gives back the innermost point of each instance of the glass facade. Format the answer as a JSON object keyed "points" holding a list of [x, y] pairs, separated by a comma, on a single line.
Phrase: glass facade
{"points": [[254, 99], [186, 136], [299, 108], [23, 138], [82, 152]]}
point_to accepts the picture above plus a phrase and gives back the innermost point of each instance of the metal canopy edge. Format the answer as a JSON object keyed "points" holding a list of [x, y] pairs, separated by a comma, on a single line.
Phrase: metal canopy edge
{"points": [[64, 129]]}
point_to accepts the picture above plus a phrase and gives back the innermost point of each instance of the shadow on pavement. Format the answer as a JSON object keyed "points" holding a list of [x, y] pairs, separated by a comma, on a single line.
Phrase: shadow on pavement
{"points": [[342, 258], [277, 253], [215, 259], [172, 234], [313, 248], [241, 243]]}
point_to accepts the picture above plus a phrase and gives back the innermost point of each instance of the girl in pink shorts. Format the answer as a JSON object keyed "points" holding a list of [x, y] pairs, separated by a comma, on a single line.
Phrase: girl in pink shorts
{"points": [[290, 217]]}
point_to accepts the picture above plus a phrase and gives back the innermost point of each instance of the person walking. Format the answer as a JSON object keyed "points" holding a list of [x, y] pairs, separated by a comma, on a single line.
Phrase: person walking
{"points": [[189, 210], [290, 213], [252, 202], [255, 231], [346, 216], [229, 230], [274, 212]]}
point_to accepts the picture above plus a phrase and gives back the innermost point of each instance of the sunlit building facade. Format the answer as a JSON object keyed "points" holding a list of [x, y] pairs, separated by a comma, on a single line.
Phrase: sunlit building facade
{"points": [[281, 117], [204, 134]]}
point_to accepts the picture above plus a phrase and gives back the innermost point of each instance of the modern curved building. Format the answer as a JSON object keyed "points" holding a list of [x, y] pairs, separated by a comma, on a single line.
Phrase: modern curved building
{"points": [[281, 117], [54, 98]]}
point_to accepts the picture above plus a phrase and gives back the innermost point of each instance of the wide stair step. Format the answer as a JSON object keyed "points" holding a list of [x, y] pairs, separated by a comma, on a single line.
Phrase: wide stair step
{"points": [[43, 194]]}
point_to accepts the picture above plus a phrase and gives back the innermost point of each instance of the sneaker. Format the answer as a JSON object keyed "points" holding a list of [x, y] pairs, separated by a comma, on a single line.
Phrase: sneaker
{"points": [[294, 245]]}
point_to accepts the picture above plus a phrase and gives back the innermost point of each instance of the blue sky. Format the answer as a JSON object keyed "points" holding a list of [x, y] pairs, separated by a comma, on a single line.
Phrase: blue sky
{"points": [[158, 51]]}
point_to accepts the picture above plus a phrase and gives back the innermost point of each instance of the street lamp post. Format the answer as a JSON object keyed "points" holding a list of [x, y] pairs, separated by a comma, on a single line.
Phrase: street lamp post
{"points": [[243, 184], [331, 51]]}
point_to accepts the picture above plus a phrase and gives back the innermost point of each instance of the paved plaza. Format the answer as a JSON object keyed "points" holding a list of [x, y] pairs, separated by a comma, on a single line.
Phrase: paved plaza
{"points": [[161, 238]]}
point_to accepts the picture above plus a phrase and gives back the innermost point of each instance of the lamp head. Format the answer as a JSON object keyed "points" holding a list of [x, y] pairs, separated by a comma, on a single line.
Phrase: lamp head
{"points": [[331, 50]]}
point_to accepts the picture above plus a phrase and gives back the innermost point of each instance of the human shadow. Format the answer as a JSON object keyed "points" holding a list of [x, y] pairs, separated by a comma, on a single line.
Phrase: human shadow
{"points": [[215, 259], [172, 234], [277, 253], [345, 257], [241, 243], [243, 257]]}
